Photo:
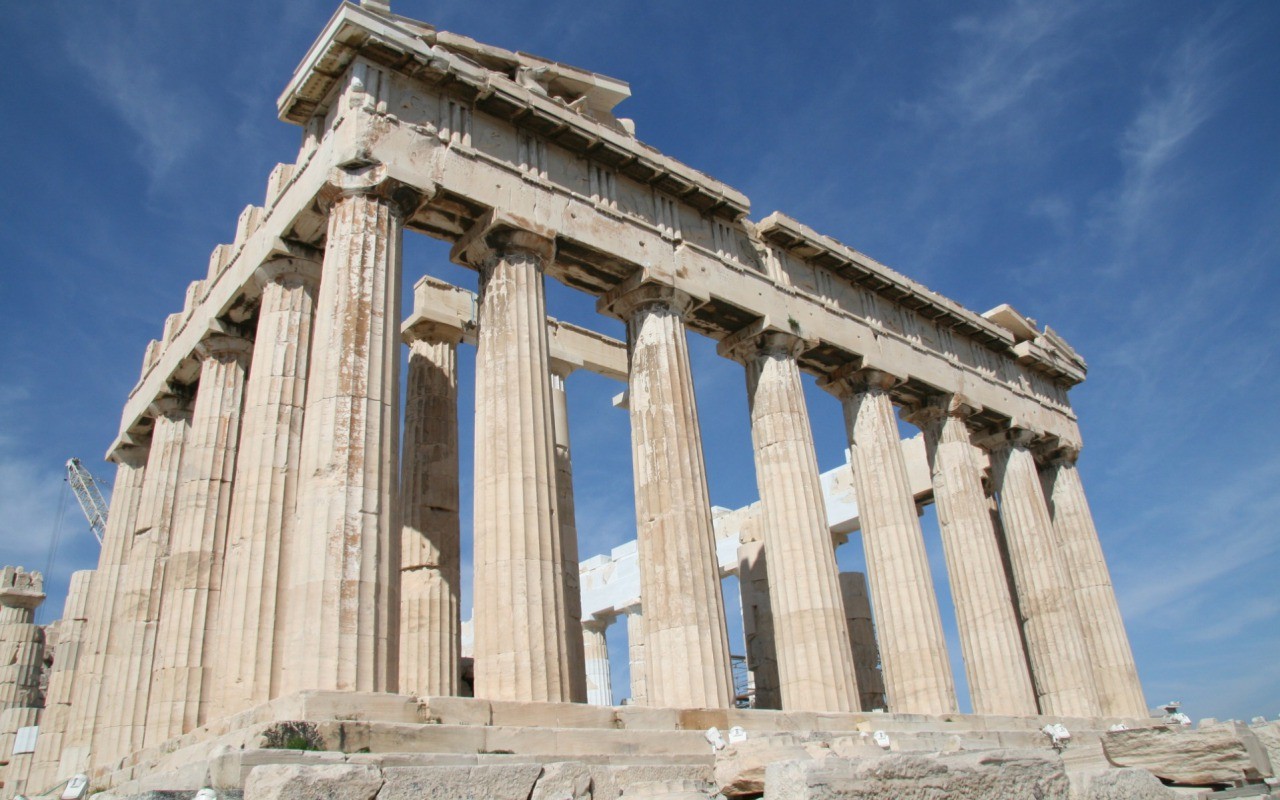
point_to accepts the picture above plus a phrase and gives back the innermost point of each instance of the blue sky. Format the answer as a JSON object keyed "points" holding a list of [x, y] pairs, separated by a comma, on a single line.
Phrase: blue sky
{"points": [[1111, 169]]}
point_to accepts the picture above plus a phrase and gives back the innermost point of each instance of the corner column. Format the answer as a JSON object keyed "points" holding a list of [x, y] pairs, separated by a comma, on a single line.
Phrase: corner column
{"points": [[67, 658], [687, 651], [121, 722], [521, 611], [340, 613], [1050, 622], [430, 578], [995, 662], [263, 502], [1106, 642], [193, 577], [917, 674], [815, 664]]}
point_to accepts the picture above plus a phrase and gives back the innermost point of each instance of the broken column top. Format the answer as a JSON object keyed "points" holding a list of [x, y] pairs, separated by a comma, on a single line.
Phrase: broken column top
{"points": [[21, 589]]}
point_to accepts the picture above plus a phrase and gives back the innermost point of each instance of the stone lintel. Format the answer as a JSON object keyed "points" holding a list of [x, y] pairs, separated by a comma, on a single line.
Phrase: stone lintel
{"points": [[28, 599], [440, 309], [497, 233], [763, 336]]}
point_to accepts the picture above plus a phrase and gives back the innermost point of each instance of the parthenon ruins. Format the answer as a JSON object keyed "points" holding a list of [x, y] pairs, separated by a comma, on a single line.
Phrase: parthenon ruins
{"points": [[284, 547]]}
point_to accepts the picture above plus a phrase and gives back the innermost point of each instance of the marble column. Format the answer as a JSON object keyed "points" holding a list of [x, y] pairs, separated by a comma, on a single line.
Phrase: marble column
{"points": [[917, 673], [264, 495], [1106, 643], [595, 647], [757, 624], [568, 522], [107, 635], [121, 720], [21, 640], [193, 576], [635, 657], [430, 578], [521, 612], [994, 659], [1050, 623], [862, 640], [815, 666], [340, 615], [687, 651], [67, 658]]}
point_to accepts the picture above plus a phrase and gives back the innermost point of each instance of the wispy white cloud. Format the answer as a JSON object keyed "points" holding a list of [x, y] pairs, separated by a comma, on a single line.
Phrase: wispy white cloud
{"points": [[166, 117], [1182, 99]]}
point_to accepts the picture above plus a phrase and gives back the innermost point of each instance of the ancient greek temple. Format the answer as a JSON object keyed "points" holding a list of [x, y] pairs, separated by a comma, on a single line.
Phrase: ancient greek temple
{"points": [[284, 540]]}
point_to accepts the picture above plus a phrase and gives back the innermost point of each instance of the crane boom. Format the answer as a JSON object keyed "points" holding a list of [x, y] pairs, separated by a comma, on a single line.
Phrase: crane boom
{"points": [[89, 496]]}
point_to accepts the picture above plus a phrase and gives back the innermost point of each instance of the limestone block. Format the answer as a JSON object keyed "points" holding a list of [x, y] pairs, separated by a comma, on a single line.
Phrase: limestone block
{"points": [[455, 710], [991, 775], [218, 261], [328, 782], [667, 790], [1268, 735], [490, 782], [609, 782], [229, 769], [551, 715], [277, 181], [1128, 784], [564, 780], [740, 769], [1197, 758]]}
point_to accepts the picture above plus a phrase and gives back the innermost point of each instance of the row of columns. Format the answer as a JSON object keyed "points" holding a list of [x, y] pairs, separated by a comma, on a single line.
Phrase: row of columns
{"points": [[261, 543]]}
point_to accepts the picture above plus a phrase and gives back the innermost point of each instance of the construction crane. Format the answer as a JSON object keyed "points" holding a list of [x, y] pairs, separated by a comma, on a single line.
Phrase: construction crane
{"points": [[89, 496]]}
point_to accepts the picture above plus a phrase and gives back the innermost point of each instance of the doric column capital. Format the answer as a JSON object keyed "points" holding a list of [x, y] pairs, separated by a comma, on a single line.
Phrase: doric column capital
{"points": [[1062, 454], [853, 379], [498, 234], [597, 623], [938, 407], [371, 180], [171, 406], [762, 338], [21, 589], [432, 332], [225, 347], [130, 455], [633, 294], [1012, 436], [281, 270]]}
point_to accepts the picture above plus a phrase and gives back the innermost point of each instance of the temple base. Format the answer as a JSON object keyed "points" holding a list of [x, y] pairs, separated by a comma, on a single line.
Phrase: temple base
{"points": [[623, 743]]}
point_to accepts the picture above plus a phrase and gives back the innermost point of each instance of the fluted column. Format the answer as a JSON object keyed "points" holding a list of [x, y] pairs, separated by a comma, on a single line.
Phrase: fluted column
{"points": [[340, 612], [521, 612], [122, 714], [430, 582], [567, 518], [193, 577], [21, 640], [595, 647], [994, 659], [635, 657], [757, 624], [1106, 643], [108, 631], [264, 495], [815, 666], [687, 652], [862, 640], [917, 674], [68, 656], [1050, 623]]}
